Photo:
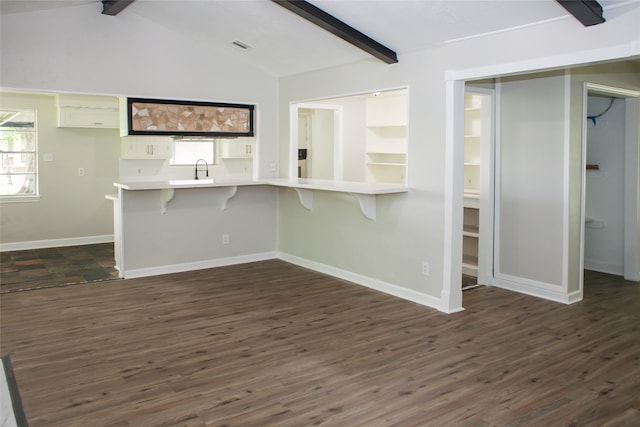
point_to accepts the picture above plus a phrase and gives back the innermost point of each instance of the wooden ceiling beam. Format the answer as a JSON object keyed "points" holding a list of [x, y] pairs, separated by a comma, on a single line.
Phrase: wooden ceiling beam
{"points": [[336, 27], [589, 12], [114, 7]]}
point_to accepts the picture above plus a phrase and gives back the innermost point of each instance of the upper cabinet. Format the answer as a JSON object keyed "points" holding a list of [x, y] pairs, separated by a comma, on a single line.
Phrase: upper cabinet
{"points": [[87, 111], [164, 117]]}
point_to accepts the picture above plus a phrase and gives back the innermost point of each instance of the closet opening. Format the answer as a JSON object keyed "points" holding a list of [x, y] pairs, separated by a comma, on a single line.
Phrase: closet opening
{"points": [[610, 194]]}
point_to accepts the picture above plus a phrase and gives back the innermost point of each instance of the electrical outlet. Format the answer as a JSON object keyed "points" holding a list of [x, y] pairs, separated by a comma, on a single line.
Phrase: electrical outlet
{"points": [[425, 268], [225, 239], [273, 167], [80, 171], [47, 157]]}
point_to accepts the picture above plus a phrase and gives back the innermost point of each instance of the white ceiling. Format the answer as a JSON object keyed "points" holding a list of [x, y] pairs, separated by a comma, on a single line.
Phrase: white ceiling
{"points": [[285, 44]]}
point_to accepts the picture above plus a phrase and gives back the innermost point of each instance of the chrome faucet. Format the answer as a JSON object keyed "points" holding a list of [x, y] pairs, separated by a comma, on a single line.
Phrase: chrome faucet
{"points": [[206, 168]]}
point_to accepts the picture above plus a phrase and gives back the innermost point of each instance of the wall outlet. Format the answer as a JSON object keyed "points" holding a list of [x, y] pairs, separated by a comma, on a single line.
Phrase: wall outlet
{"points": [[225, 239], [80, 171], [425, 268], [273, 167], [47, 157]]}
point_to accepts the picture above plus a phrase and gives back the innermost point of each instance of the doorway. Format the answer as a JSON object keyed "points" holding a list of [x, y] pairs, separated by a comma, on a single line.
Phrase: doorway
{"points": [[610, 187], [479, 177], [319, 141]]}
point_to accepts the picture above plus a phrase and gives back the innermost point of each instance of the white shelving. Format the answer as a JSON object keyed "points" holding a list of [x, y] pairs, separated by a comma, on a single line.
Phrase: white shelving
{"points": [[386, 137], [472, 154]]}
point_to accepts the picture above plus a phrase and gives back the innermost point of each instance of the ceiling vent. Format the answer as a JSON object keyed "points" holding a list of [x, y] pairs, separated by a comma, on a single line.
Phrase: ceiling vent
{"points": [[242, 45]]}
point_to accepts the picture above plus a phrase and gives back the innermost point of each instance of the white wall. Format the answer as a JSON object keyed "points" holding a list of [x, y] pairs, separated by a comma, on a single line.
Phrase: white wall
{"points": [[189, 234], [72, 209], [408, 229], [529, 182], [78, 50], [604, 237], [416, 226], [321, 150]]}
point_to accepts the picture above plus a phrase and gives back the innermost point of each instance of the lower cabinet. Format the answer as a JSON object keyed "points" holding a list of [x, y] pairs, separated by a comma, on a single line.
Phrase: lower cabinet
{"points": [[146, 147]]}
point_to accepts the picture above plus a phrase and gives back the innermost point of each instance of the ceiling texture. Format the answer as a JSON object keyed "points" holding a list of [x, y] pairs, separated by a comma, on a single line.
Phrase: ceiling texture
{"points": [[282, 43]]}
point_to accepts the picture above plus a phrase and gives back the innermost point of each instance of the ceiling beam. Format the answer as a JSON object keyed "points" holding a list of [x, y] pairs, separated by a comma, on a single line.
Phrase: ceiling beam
{"points": [[589, 12], [114, 7], [336, 27]]}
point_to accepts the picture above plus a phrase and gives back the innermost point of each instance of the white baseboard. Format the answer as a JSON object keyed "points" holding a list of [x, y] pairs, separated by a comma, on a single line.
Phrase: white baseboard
{"points": [[197, 265], [537, 289], [603, 267], [55, 243], [369, 282]]}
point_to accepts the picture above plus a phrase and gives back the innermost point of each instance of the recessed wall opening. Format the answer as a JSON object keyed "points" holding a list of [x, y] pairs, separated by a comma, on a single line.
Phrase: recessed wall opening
{"points": [[356, 138]]}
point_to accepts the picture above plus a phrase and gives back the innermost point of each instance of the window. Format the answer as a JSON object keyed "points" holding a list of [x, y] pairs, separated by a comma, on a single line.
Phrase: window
{"points": [[186, 151], [18, 149]]}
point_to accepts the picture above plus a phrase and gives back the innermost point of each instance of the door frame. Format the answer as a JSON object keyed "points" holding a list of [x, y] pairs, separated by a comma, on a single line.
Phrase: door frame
{"points": [[631, 263], [338, 142], [488, 145]]}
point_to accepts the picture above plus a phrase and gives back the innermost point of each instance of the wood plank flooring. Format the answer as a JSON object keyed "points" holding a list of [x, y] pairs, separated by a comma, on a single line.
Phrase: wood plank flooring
{"points": [[272, 344]]}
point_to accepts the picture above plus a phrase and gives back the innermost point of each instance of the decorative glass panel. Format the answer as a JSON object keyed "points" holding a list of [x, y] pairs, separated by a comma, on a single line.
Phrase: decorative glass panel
{"points": [[162, 117]]}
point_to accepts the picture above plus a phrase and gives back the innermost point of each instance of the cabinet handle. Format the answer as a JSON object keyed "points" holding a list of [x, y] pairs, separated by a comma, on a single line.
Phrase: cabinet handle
{"points": [[151, 146], [97, 124]]}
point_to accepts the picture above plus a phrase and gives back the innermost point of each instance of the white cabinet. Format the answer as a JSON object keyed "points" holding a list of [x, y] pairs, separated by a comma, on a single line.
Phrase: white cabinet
{"points": [[146, 147], [235, 149], [386, 137], [87, 111]]}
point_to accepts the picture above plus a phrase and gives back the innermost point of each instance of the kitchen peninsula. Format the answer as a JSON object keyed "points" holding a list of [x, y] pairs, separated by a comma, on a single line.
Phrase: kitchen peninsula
{"points": [[179, 225]]}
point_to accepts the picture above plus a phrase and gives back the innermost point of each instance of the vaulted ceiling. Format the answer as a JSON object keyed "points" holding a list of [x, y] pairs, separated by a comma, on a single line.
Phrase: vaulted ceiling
{"points": [[282, 43]]}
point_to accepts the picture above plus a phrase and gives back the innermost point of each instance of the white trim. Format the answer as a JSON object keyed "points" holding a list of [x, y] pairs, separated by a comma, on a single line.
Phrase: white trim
{"points": [[609, 53], [337, 137], [631, 266], [632, 190], [197, 265], [566, 181], [534, 24], [369, 282], [55, 243], [451, 294], [497, 180], [537, 289]]}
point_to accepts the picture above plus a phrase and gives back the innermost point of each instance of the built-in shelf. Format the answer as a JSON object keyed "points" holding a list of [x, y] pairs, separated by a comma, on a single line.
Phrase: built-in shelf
{"points": [[472, 155]]}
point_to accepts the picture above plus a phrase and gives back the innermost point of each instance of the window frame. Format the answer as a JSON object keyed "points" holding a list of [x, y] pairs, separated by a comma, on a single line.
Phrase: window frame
{"points": [[179, 139], [30, 197]]}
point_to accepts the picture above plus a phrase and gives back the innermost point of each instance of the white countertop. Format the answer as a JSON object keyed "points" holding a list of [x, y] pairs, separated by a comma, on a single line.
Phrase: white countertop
{"points": [[309, 184]]}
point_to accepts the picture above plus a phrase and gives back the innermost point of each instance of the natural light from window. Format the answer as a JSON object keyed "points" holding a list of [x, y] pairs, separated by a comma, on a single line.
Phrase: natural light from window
{"points": [[187, 151], [18, 149]]}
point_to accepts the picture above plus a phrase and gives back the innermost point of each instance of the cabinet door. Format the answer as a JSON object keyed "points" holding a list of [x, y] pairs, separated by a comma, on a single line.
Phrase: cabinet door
{"points": [[236, 150], [142, 147], [88, 118]]}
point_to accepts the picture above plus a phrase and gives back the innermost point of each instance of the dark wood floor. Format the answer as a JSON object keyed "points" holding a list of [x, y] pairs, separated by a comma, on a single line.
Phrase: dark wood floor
{"points": [[271, 344]]}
